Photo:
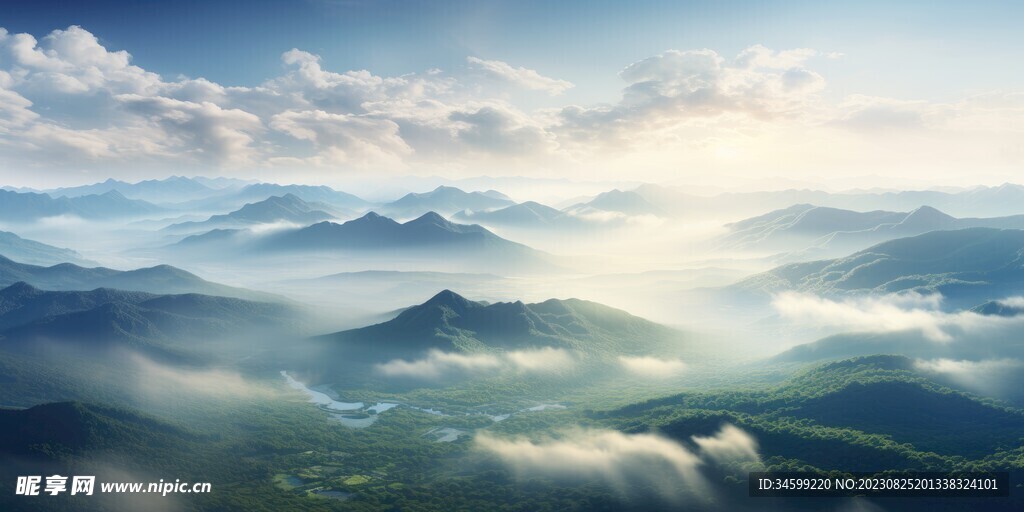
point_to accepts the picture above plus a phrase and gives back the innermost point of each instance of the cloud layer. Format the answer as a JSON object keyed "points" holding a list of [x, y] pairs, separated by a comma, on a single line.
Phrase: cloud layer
{"points": [[624, 460], [888, 313], [439, 364], [68, 101]]}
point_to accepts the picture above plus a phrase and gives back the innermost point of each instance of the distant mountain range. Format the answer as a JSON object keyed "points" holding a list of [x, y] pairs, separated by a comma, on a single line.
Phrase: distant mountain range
{"points": [[819, 231], [169, 190], [288, 208], [626, 202], [160, 279], [36, 253], [112, 205], [116, 317], [968, 266], [450, 322], [999, 201], [429, 236], [446, 201]]}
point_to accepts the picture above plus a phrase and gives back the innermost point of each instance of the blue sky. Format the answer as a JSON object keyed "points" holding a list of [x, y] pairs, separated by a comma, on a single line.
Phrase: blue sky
{"points": [[914, 63]]}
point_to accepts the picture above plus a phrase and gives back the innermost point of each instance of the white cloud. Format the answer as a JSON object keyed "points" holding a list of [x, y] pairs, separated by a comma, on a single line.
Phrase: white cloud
{"points": [[68, 102], [730, 444], [437, 364], [888, 313], [993, 377], [541, 360], [652, 367], [203, 130], [522, 77], [622, 460], [345, 138]]}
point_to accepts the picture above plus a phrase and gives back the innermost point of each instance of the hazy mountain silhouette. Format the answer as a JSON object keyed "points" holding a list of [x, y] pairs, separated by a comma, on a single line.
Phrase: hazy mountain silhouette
{"points": [[968, 266], [444, 200], [29, 206], [822, 231], [617, 201], [528, 215], [168, 190], [36, 253], [288, 208], [158, 279]]}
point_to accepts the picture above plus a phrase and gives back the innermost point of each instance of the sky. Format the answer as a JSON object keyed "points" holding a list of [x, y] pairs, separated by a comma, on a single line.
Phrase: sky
{"points": [[863, 94]]}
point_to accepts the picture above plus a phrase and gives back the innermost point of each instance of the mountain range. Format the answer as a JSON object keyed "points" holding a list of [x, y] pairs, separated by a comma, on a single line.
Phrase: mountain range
{"points": [[968, 266], [817, 230], [444, 200], [36, 253], [450, 322], [112, 205], [288, 208], [110, 317], [168, 190], [159, 279]]}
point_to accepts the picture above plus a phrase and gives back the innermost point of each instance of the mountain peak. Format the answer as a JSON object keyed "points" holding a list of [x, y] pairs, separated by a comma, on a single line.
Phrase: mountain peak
{"points": [[21, 288], [430, 217], [447, 298]]}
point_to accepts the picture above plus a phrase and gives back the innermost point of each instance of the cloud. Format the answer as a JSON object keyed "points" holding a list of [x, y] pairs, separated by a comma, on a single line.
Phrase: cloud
{"points": [[888, 313], [730, 444], [345, 138], [203, 130], [994, 377], [156, 382], [522, 77], [438, 364], [542, 360], [652, 367], [622, 460], [70, 104]]}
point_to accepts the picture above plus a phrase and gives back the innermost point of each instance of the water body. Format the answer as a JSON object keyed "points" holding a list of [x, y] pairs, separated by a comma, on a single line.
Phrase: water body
{"points": [[321, 399], [350, 414], [358, 415]]}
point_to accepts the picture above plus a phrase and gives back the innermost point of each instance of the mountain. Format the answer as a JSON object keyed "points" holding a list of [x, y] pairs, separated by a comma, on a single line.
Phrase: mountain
{"points": [[968, 266], [999, 201], [861, 414], [169, 190], [108, 317], [446, 201], [309, 193], [523, 215], [112, 205], [617, 201], [49, 429], [158, 279], [288, 208], [427, 236], [819, 231], [36, 253], [451, 322]]}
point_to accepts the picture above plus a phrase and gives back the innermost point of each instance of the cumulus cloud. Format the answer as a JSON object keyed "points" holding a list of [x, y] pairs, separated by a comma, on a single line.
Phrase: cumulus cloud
{"points": [[439, 364], [67, 101], [522, 77], [652, 367], [888, 313], [345, 138], [623, 460]]}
